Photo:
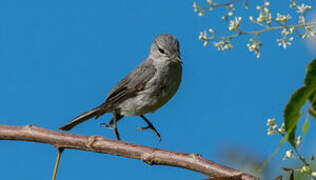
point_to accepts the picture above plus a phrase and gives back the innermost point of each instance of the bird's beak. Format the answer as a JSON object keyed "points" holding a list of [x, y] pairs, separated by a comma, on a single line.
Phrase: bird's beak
{"points": [[177, 58]]}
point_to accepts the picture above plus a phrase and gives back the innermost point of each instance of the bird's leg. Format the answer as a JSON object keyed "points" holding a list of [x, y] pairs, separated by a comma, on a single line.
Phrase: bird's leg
{"points": [[116, 117], [113, 124], [110, 125], [149, 126], [119, 118]]}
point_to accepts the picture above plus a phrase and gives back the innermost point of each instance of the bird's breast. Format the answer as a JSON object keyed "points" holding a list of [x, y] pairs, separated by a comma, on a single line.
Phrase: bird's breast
{"points": [[163, 85], [157, 92]]}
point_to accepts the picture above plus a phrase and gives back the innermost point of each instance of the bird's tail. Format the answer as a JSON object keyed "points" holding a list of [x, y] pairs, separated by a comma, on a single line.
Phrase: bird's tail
{"points": [[96, 112]]}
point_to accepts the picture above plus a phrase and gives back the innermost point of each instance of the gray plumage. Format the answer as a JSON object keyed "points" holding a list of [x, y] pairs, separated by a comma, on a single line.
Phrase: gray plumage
{"points": [[146, 88]]}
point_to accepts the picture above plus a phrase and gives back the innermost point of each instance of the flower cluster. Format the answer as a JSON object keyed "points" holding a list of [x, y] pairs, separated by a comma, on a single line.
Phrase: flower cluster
{"points": [[303, 8], [229, 11], [220, 45], [274, 129], [265, 20], [309, 32], [198, 9], [272, 126], [223, 45], [305, 169], [292, 153], [284, 41], [255, 47], [282, 18], [234, 24], [264, 13], [203, 36]]}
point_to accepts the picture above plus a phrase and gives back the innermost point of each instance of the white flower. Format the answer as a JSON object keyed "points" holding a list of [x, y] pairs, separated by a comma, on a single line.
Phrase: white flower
{"points": [[309, 32], [203, 36], [270, 132], [195, 7], [267, 3], [301, 19], [265, 17], [271, 121], [282, 18], [255, 47], [285, 32], [264, 14], [228, 45], [201, 13], [230, 7], [293, 4], [292, 30], [288, 155], [282, 128], [234, 24], [210, 1], [298, 140], [219, 45], [274, 127], [223, 45], [205, 43], [260, 18], [305, 169], [302, 8], [285, 41]]}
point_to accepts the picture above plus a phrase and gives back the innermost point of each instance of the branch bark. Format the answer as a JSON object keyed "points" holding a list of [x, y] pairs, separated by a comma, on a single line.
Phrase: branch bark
{"points": [[151, 156]]}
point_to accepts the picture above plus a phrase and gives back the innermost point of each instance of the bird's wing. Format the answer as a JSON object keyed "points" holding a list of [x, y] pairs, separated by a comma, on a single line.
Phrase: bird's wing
{"points": [[134, 82]]}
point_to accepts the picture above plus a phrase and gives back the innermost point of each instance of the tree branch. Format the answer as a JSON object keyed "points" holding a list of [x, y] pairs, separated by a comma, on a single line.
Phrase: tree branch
{"points": [[151, 156]]}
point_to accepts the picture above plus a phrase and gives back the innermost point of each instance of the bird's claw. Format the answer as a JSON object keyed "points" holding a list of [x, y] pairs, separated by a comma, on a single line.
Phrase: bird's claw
{"points": [[143, 128], [107, 125], [152, 128]]}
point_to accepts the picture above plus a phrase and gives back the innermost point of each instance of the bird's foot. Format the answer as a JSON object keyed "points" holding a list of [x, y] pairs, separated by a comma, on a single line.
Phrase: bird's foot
{"points": [[152, 128], [107, 125]]}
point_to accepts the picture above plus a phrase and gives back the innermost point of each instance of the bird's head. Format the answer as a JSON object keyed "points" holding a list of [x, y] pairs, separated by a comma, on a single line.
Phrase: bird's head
{"points": [[165, 47]]}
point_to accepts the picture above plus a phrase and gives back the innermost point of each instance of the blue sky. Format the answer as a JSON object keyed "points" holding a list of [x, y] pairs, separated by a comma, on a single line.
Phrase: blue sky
{"points": [[61, 58]]}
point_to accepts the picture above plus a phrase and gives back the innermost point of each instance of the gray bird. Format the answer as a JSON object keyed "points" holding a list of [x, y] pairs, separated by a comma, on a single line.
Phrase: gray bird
{"points": [[144, 90]]}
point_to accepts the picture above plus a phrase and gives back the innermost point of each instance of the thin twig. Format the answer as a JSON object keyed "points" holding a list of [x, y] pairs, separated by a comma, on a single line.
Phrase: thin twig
{"points": [[60, 151], [300, 156], [295, 149], [264, 30], [151, 156], [215, 5]]}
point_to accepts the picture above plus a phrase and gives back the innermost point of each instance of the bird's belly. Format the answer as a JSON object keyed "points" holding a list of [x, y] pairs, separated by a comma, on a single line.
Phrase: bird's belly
{"points": [[158, 91]]}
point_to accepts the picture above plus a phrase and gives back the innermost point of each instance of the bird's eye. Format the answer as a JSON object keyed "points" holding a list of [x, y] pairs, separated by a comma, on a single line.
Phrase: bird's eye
{"points": [[161, 51]]}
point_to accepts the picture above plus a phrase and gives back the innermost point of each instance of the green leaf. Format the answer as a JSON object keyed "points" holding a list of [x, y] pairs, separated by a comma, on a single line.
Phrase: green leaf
{"points": [[310, 80], [310, 77], [293, 108], [305, 126]]}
